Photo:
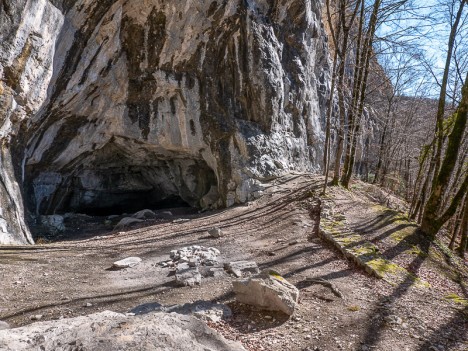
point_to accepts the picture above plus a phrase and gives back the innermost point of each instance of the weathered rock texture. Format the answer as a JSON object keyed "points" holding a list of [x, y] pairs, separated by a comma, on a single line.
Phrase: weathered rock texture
{"points": [[109, 105], [110, 331]]}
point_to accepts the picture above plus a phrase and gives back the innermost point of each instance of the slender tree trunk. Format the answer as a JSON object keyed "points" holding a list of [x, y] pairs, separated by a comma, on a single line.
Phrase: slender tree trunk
{"points": [[328, 136], [456, 227], [340, 134], [340, 86], [381, 151], [362, 84], [464, 230]]}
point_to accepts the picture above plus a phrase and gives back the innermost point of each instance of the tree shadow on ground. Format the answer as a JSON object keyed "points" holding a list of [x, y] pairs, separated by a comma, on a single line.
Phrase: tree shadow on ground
{"points": [[386, 304]]}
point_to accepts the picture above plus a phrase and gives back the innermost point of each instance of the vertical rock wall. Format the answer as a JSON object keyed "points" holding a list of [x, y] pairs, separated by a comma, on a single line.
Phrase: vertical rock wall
{"points": [[112, 101]]}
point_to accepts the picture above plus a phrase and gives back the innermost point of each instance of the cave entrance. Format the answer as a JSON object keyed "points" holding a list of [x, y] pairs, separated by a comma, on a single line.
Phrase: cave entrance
{"points": [[129, 202], [117, 189]]}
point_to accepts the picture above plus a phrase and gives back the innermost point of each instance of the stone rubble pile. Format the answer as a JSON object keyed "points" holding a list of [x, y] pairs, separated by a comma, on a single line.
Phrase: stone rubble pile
{"points": [[187, 262], [195, 255], [191, 263]]}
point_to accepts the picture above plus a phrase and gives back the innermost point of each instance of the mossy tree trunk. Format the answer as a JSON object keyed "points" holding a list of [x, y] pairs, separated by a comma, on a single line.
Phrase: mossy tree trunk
{"points": [[432, 220]]}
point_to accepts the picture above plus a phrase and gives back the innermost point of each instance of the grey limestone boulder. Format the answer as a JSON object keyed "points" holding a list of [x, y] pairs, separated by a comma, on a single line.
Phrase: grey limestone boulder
{"points": [[127, 262], [269, 291], [110, 331]]}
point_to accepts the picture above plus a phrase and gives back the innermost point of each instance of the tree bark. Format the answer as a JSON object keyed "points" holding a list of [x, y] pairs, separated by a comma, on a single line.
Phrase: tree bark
{"points": [[431, 222]]}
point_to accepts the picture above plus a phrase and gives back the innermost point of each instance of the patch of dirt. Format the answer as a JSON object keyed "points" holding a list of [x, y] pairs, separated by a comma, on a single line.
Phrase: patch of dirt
{"points": [[278, 231]]}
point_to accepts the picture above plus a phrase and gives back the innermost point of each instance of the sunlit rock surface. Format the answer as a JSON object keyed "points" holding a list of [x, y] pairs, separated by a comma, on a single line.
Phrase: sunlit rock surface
{"points": [[111, 103]]}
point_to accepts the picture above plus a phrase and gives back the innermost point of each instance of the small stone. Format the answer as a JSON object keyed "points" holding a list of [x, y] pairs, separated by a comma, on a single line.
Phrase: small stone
{"points": [[144, 214], [127, 262], [393, 319], [215, 272], [308, 337], [193, 261], [4, 325], [126, 222], [180, 220], [215, 232], [89, 304], [37, 317]]}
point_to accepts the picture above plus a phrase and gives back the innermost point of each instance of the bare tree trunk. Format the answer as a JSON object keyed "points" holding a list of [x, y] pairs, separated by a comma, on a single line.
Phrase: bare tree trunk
{"points": [[340, 87], [456, 227], [362, 84], [464, 230]]}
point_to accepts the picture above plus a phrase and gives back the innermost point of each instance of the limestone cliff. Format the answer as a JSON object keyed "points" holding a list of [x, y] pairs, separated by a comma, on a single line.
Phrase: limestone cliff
{"points": [[111, 103]]}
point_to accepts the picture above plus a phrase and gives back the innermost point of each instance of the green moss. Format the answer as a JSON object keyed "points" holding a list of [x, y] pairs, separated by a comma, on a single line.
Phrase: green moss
{"points": [[402, 234], [457, 299], [354, 308], [367, 249], [384, 267], [415, 250], [275, 275]]}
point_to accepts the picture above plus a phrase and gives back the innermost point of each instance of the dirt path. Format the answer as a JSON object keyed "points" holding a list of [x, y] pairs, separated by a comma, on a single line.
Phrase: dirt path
{"points": [[62, 279]]}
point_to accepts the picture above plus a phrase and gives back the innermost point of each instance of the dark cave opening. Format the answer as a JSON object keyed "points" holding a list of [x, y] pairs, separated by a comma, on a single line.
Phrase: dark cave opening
{"points": [[128, 203], [118, 189]]}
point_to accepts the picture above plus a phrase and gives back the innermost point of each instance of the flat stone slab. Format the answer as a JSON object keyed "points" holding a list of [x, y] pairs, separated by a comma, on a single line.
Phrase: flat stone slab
{"points": [[239, 268], [127, 262], [205, 310]]}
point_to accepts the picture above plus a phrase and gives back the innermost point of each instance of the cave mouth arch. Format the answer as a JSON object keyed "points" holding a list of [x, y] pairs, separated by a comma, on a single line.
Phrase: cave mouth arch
{"points": [[113, 189]]}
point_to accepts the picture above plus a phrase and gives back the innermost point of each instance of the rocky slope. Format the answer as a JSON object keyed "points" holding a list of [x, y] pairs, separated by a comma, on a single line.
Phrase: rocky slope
{"points": [[108, 104]]}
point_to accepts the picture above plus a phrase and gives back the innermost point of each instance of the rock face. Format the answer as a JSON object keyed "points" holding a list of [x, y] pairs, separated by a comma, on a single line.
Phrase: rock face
{"points": [[114, 105], [109, 331], [269, 291]]}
